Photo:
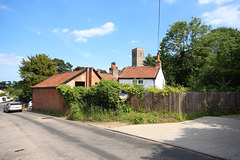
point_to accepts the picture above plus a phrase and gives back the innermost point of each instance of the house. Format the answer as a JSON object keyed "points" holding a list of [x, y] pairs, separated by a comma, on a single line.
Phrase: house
{"points": [[46, 97], [146, 76]]}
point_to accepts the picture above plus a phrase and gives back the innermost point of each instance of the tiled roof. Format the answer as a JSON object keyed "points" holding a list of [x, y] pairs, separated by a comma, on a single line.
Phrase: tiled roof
{"points": [[58, 79], [107, 76], [139, 72]]}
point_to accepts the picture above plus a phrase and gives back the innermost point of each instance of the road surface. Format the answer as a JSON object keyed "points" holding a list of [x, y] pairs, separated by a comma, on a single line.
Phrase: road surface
{"points": [[27, 136]]}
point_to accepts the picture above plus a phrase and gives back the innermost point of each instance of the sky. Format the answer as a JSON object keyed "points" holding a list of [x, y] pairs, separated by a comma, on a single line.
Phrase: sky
{"points": [[94, 33]]}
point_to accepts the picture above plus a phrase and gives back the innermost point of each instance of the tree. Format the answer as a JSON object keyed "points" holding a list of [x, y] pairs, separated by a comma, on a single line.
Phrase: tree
{"points": [[3, 85], [32, 71], [149, 60], [103, 71], [62, 67], [78, 68], [222, 70], [180, 50]]}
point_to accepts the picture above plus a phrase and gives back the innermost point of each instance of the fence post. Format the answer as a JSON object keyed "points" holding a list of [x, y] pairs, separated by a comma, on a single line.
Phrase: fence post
{"points": [[179, 104]]}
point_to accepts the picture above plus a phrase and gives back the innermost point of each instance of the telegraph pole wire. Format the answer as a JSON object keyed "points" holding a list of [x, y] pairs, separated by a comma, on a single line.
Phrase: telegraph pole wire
{"points": [[158, 42]]}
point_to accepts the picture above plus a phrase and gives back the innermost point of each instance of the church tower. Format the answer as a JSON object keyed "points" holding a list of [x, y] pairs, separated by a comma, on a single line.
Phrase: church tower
{"points": [[138, 56]]}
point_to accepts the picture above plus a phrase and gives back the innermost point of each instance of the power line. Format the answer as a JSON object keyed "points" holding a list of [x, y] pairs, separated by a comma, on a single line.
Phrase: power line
{"points": [[158, 42]]}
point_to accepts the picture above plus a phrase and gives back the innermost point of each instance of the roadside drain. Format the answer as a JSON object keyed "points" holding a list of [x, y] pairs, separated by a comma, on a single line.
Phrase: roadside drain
{"points": [[19, 150]]}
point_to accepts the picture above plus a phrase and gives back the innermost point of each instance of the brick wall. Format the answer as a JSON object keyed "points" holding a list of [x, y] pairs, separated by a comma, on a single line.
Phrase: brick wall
{"points": [[48, 99]]}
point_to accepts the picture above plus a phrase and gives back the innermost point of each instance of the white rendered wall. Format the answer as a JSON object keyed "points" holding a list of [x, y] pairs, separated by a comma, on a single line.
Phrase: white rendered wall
{"points": [[160, 80], [146, 82]]}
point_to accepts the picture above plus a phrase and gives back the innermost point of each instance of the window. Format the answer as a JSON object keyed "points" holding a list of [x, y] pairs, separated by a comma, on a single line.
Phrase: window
{"points": [[140, 54], [77, 84], [140, 81]]}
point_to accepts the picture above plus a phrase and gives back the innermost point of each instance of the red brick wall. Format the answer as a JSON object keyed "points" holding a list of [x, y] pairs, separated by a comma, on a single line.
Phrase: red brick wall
{"points": [[48, 99]]}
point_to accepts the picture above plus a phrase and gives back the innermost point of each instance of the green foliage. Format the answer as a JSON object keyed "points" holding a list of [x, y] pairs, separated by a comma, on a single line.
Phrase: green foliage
{"points": [[222, 70], [149, 60], [132, 89], [179, 51], [78, 68], [105, 94], [2, 94], [125, 108], [103, 71], [34, 70], [62, 67], [199, 58], [167, 89], [138, 120], [67, 93], [75, 113]]}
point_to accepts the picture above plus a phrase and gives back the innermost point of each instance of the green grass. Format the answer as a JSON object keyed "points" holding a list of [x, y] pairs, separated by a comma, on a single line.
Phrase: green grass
{"points": [[96, 114], [126, 115]]}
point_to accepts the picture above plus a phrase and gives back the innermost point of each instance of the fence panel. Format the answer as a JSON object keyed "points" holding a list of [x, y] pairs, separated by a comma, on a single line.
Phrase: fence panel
{"points": [[187, 102]]}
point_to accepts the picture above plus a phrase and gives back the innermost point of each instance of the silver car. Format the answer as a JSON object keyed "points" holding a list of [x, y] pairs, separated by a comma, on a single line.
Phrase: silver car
{"points": [[13, 106]]}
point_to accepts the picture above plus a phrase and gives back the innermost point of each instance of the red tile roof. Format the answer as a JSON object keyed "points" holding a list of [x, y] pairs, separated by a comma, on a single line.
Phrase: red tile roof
{"points": [[107, 76], [58, 79], [139, 72]]}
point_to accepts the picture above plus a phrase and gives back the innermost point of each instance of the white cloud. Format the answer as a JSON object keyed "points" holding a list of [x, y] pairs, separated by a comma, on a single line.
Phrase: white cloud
{"points": [[82, 35], [228, 15], [65, 30], [55, 30], [133, 41], [2, 7], [170, 1], [219, 2], [10, 59]]}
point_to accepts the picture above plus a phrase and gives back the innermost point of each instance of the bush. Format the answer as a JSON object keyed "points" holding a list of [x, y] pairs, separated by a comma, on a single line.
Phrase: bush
{"points": [[104, 94], [75, 113], [132, 89]]}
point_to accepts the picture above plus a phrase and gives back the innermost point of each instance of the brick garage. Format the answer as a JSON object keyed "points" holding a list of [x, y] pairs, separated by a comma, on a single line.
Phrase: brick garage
{"points": [[45, 96]]}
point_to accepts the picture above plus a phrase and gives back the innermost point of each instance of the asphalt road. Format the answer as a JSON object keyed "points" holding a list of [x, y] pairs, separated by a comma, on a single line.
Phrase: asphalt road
{"points": [[26, 135]]}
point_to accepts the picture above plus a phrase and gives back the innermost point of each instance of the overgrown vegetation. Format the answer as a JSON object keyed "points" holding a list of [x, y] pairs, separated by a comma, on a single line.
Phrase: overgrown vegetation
{"points": [[101, 102]]}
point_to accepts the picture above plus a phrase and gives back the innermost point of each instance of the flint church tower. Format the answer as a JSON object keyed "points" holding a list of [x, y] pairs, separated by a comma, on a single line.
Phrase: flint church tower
{"points": [[138, 56]]}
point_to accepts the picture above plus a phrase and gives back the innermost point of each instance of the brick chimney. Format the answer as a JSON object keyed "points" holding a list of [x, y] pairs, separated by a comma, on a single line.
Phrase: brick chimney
{"points": [[113, 70], [98, 71], [158, 62]]}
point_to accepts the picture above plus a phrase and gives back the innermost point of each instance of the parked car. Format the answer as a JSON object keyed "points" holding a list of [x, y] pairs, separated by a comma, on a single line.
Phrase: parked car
{"points": [[13, 106], [30, 105], [9, 99]]}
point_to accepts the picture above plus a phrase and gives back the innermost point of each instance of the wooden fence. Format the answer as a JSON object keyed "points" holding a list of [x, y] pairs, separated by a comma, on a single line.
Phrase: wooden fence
{"points": [[195, 102]]}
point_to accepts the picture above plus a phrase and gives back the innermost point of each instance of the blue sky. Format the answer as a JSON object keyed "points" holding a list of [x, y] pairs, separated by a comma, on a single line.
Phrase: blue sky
{"points": [[94, 33]]}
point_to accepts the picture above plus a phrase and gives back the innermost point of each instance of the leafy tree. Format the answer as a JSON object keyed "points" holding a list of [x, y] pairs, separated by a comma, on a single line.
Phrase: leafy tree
{"points": [[78, 68], [62, 67], [180, 50], [34, 70], [222, 69], [103, 71], [149, 60], [3, 85]]}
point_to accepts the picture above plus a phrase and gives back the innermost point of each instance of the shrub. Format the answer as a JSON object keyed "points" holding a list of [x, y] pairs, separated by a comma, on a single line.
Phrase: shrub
{"points": [[138, 120], [75, 113], [133, 89], [104, 94], [67, 93]]}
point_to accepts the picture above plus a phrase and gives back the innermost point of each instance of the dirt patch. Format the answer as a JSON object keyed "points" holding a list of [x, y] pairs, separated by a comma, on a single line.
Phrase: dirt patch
{"points": [[234, 116]]}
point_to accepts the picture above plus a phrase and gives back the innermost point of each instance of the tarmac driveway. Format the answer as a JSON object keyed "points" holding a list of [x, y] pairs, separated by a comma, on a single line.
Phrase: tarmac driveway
{"points": [[215, 136]]}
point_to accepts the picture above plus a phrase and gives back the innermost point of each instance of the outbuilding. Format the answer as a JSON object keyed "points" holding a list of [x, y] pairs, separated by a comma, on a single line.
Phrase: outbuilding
{"points": [[45, 95]]}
